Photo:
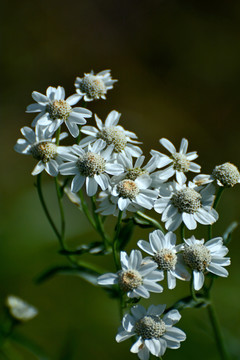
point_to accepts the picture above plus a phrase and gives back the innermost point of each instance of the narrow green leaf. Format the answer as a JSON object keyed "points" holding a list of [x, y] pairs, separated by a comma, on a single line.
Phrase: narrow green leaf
{"points": [[227, 236], [94, 248], [29, 345]]}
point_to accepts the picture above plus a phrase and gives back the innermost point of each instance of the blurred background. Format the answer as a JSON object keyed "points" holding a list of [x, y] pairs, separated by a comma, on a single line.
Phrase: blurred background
{"points": [[178, 70]]}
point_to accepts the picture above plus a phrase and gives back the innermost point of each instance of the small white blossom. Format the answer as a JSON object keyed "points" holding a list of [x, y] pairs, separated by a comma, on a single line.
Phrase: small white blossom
{"points": [[135, 194], [43, 148], [154, 333], [189, 204], [133, 171], [93, 87], [202, 257], [89, 165], [179, 162], [54, 110], [163, 251], [226, 175], [117, 140], [136, 278], [19, 309]]}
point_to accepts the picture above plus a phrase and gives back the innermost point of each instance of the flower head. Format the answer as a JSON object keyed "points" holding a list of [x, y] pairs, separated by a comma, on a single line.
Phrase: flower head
{"points": [[134, 195], [179, 162], [42, 148], [189, 204], [202, 258], [226, 175], [163, 251], [136, 278], [89, 165], [93, 87], [117, 140], [19, 309], [54, 110], [154, 333]]}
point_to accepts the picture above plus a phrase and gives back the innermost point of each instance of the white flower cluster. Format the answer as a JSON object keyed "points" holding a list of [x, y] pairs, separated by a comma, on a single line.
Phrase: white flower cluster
{"points": [[109, 159]]}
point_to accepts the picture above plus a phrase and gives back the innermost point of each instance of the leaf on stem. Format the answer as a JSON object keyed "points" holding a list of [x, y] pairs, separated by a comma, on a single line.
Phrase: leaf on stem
{"points": [[85, 273], [93, 248], [227, 236]]}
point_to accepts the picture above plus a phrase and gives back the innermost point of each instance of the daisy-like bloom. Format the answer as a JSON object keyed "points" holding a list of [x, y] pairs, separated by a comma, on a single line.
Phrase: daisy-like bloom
{"points": [[133, 171], [163, 251], [116, 139], [136, 278], [202, 258], [93, 87], [89, 165], [179, 162], [135, 194], [154, 333], [19, 309], [54, 110], [226, 175], [188, 204], [42, 148]]}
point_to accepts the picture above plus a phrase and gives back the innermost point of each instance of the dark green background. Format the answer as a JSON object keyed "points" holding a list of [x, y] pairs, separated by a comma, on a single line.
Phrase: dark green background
{"points": [[178, 66]]}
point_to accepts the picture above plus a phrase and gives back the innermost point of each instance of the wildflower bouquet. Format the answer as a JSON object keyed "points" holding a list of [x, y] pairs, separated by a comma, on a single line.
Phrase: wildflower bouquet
{"points": [[104, 173]]}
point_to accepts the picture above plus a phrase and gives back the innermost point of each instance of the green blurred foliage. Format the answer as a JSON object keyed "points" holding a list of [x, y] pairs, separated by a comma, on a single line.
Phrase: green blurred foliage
{"points": [[178, 65]]}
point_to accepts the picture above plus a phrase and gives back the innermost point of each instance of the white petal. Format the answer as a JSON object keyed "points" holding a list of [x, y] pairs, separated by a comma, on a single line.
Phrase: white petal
{"points": [[198, 279], [73, 128], [172, 317], [189, 221], [181, 177], [29, 134], [137, 346], [145, 246], [38, 168], [123, 335], [77, 183], [183, 146], [52, 168], [168, 145], [112, 118], [107, 279], [123, 203], [128, 322], [171, 280], [195, 167], [91, 186], [138, 311], [152, 286], [153, 346], [218, 270], [40, 98], [73, 99], [102, 180]]}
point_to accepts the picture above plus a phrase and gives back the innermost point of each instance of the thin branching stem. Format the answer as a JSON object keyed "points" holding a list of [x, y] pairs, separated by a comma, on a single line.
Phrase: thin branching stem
{"points": [[151, 221], [44, 206]]}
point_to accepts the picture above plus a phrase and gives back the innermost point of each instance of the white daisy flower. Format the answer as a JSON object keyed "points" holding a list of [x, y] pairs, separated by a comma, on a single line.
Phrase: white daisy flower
{"points": [[89, 165], [226, 175], [42, 148], [93, 87], [163, 250], [116, 139], [54, 110], [154, 334], [133, 171], [135, 194], [180, 162], [188, 204], [19, 309], [202, 257], [136, 278]]}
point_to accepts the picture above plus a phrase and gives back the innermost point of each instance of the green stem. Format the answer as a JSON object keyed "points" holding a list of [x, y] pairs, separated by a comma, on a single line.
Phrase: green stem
{"points": [[99, 224], [86, 211], [62, 215], [217, 332], [152, 221], [43, 203], [192, 290], [115, 240], [218, 197], [57, 135], [182, 231]]}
